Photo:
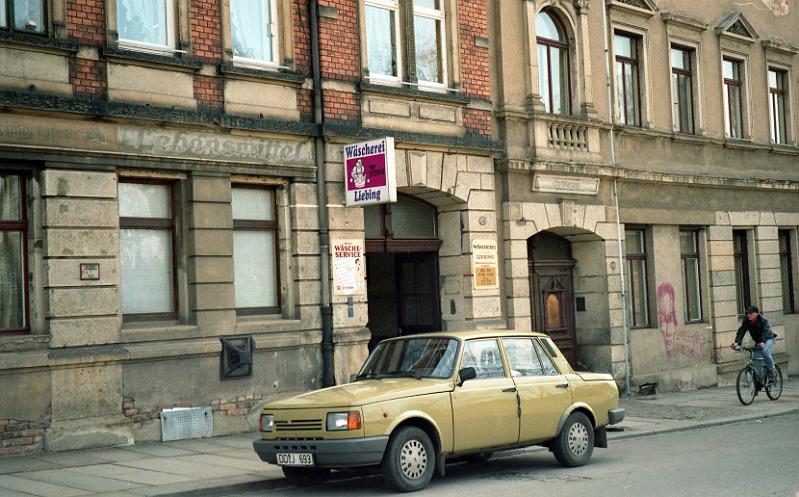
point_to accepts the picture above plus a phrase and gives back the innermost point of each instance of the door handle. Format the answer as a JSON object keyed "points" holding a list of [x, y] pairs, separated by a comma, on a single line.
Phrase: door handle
{"points": [[510, 390], [562, 385]]}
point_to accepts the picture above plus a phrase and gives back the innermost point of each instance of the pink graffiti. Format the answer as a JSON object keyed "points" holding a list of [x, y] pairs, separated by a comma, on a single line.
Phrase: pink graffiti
{"points": [[679, 343]]}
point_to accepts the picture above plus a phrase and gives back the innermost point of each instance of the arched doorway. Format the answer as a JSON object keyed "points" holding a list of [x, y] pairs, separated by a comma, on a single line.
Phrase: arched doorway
{"points": [[552, 290], [402, 268]]}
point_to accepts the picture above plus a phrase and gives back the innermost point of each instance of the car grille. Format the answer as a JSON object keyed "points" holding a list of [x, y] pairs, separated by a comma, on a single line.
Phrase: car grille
{"points": [[298, 425]]}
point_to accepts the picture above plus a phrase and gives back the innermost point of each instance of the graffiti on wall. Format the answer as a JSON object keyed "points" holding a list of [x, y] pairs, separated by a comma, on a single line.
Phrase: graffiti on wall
{"points": [[679, 343]]}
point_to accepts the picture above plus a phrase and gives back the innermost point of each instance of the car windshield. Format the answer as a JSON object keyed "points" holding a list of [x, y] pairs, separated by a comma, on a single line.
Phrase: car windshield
{"points": [[429, 357]]}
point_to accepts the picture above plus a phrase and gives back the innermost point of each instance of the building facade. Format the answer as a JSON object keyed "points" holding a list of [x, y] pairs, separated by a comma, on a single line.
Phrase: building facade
{"points": [[643, 211]]}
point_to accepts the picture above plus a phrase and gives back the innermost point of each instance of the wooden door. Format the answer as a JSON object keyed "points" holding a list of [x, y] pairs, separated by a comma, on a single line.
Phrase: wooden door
{"points": [[552, 302], [417, 291]]}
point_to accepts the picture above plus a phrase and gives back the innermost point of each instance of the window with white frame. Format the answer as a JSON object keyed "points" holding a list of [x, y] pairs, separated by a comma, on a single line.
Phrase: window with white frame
{"points": [[27, 16], [777, 109], [429, 41], [554, 68], [637, 284], [254, 33], [255, 260], [146, 239], [628, 85], [147, 24], [682, 91], [732, 72], [689, 253], [382, 40]]}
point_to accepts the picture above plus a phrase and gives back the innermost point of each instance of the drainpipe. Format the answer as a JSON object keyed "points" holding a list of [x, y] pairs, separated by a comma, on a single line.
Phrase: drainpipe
{"points": [[328, 375], [615, 193]]}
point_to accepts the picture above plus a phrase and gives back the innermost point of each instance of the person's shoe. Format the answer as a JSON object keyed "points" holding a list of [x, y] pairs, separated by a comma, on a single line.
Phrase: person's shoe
{"points": [[771, 376]]}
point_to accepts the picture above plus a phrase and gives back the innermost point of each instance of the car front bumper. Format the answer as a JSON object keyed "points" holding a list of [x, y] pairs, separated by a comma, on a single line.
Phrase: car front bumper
{"points": [[327, 453]]}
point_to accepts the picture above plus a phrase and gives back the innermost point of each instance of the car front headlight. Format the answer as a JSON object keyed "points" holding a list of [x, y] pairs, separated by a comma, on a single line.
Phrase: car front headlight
{"points": [[343, 421], [267, 422]]}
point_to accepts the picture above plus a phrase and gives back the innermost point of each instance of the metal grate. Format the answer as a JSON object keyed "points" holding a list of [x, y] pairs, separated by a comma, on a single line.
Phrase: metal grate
{"points": [[181, 423]]}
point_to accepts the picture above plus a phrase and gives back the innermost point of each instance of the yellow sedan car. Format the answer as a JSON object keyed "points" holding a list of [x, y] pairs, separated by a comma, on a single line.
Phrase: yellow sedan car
{"points": [[422, 399]]}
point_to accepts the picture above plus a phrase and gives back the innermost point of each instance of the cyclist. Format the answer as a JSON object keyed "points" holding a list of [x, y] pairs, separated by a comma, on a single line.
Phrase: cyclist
{"points": [[764, 338]]}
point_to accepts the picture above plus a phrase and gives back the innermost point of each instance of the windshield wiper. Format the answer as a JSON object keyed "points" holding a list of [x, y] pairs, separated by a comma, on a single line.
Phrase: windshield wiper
{"points": [[367, 376], [404, 372]]}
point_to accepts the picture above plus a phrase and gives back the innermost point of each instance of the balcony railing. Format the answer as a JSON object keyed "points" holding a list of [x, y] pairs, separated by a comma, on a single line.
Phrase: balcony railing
{"points": [[562, 136]]}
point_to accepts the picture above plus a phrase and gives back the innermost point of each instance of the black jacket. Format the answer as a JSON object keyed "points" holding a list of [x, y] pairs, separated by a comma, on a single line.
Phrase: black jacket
{"points": [[760, 331]]}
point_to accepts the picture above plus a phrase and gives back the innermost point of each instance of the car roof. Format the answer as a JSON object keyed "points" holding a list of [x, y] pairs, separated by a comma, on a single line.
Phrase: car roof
{"points": [[466, 335]]}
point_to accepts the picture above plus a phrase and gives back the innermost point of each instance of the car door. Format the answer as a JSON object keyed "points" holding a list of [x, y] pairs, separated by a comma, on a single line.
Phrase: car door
{"points": [[485, 409], [544, 393]]}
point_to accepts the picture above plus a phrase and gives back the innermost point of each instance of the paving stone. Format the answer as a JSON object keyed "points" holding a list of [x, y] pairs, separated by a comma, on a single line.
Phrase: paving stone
{"points": [[135, 475], [77, 480], [38, 488], [176, 466]]}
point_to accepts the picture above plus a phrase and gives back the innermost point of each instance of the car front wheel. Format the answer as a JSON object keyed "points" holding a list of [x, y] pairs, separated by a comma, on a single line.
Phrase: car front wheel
{"points": [[575, 444], [410, 460]]}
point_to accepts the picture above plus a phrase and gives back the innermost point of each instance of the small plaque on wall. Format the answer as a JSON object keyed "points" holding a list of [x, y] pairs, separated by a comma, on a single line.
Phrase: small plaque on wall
{"points": [[90, 271]]}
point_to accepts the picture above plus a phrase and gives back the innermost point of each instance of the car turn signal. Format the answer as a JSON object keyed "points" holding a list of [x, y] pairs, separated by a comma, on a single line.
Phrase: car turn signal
{"points": [[343, 421]]}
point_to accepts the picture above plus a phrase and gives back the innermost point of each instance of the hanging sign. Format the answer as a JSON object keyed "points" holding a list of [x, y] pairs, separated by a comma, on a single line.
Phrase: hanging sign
{"points": [[485, 264], [348, 267], [370, 172]]}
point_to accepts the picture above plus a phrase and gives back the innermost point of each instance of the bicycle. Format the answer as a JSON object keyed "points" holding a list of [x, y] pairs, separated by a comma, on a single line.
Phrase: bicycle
{"points": [[749, 381]]}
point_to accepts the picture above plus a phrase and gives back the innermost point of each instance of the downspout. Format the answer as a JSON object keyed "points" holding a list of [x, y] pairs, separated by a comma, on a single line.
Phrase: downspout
{"points": [[615, 193], [328, 375]]}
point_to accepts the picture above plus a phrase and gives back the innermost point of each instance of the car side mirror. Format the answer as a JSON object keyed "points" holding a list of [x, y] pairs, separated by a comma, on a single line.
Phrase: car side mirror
{"points": [[466, 374]]}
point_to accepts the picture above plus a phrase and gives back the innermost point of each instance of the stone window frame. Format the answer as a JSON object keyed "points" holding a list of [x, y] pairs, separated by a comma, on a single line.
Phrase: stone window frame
{"points": [[178, 28], [406, 63], [698, 256], [686, 32], [785, 75], [638, 37], [273, 226], [283, 46], [645, 258], [744, 291], [781, 56], [21, 225], [550, 44], [742, 61]]}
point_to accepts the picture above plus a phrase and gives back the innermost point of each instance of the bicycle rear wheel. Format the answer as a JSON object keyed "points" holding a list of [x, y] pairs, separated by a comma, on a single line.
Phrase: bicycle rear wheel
{"points": [[746, 386], [774, 387]]}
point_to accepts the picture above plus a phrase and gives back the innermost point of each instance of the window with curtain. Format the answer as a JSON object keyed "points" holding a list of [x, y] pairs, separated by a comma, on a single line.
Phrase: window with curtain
{"points": [[382, 39], [255, 251], [23, 15], [637, 287], [149, 23], [628, 91], [553, 63], [777, 109], [253, 28], [429, 41], [146, 239], [741, 257], [733, 98], [786, 271], [13, 254], [682, 89], [689, 252]]}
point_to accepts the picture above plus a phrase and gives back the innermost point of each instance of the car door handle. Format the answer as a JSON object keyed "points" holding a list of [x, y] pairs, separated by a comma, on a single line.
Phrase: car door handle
{"points": [[510, 390], [562, 385]]}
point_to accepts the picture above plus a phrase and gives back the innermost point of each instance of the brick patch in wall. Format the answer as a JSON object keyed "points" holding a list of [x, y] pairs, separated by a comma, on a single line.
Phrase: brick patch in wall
{"points": [[22, 436], [208, 92], [479, 121], [341, 106], [206, 30], [86, 21], [241, 405], [88, 78]]}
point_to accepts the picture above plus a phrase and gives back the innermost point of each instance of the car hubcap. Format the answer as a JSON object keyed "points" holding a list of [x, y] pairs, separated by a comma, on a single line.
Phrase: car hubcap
{"points": [[413, 459], [578, 439]]}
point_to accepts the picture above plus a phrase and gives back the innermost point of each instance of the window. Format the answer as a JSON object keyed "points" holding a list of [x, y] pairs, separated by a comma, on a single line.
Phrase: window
{"points": [[385, 34], [786, 270], [777, 111], [546, 362], [689, 250], [255, 251], [146, 23], [637, 293], [682, 89], [733, 100], [522, 358], [27, 16], [741, 256], [253, 27], [628, 92], [484, 357], [14, 313], [146, 239], [553, 64]]}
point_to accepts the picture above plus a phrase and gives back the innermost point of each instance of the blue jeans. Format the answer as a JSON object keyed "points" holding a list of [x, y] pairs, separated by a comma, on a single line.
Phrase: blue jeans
{"points": [[765, 355]]}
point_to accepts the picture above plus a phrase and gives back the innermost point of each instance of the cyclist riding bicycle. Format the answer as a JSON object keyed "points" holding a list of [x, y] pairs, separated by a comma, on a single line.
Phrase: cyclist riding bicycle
{"points": [[764, 338]]}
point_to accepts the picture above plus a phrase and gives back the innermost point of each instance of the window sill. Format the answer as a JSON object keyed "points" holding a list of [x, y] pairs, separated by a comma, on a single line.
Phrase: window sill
{"points": [[156, 330], [37, 42], [266, 323], [236, 71], [784, 149], [143, 58], [436, 96]]}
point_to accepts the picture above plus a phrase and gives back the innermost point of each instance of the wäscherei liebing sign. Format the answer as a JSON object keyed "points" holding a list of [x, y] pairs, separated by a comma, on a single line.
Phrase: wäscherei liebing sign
{"points": [[370, 172]]}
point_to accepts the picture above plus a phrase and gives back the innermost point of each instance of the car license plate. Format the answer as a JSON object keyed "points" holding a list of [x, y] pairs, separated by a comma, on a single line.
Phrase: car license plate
{"points": [[295, 459]]}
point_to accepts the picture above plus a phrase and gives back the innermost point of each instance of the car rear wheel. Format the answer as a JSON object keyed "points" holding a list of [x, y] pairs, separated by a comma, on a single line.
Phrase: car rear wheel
{"points": [[304, 477], [575, 443], [410, 460]]}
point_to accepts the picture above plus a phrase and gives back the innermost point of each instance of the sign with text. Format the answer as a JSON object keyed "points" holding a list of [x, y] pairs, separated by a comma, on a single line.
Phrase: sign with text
{"points": [[348, 267], [485, 264], [370, 172]]}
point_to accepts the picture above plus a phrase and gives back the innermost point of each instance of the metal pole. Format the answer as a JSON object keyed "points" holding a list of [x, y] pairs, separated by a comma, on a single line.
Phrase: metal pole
{"points": [[615, 193]]}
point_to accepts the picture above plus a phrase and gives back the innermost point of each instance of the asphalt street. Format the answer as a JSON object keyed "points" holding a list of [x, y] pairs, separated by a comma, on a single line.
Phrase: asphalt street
{"points": [[752, 459]]}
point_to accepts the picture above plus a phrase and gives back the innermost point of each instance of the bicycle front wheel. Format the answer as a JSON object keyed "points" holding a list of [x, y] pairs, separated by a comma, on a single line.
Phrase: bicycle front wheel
{"points": [[746, 386], [774, 387]]}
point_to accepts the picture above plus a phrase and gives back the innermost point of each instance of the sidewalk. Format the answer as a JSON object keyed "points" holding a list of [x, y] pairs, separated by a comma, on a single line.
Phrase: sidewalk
{"points": [[215, 466]]}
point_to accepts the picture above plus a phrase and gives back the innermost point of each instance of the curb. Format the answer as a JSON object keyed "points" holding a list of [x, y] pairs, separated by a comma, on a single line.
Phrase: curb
{"points": [[269, 484]]}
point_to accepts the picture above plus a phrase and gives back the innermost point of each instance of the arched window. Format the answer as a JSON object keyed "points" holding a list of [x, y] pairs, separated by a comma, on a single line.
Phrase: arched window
{"points": [[553, 63]]}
